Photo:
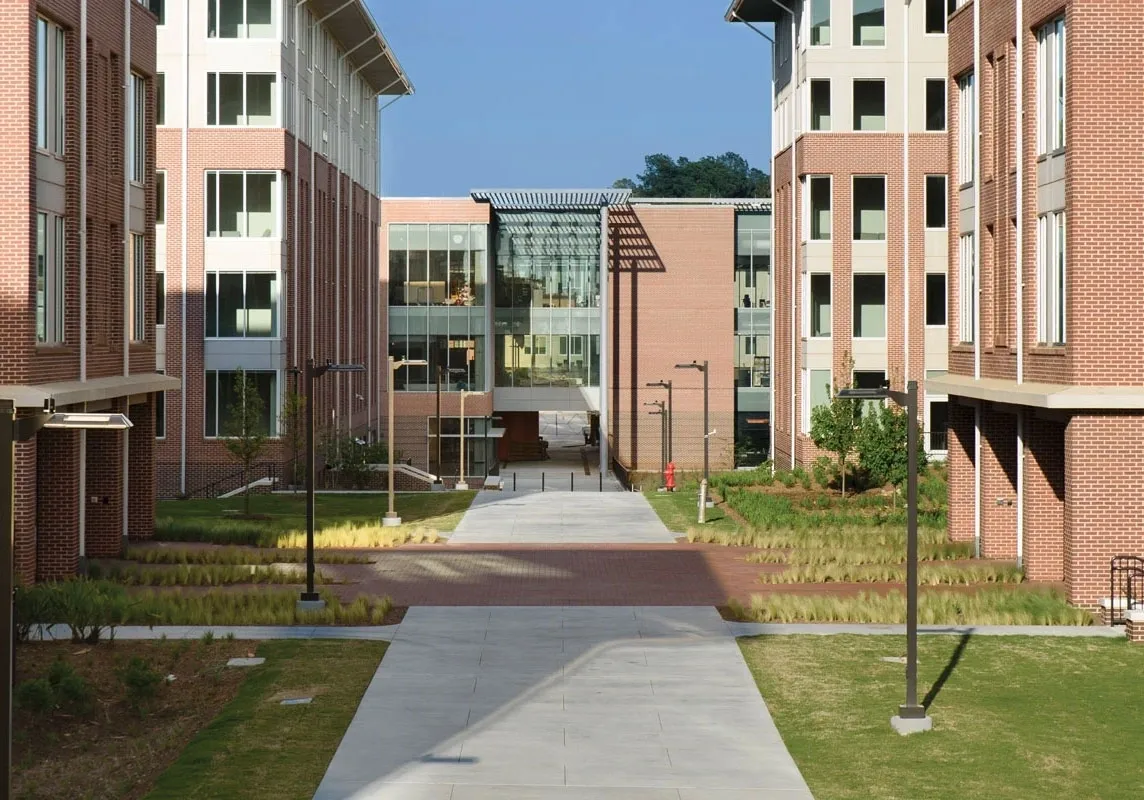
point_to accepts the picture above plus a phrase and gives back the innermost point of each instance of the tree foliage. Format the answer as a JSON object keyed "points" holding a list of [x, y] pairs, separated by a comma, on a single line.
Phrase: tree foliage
{"points": [[883, 454], [292, 424], [245, 428], [728, 175], [834, 428]]}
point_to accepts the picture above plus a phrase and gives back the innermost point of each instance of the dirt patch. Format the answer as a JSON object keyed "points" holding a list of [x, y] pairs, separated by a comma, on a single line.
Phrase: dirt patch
{"points": [[115, 751]]}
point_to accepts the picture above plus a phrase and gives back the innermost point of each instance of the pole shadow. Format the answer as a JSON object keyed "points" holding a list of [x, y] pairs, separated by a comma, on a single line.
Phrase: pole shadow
{"points": [[954, 658]]}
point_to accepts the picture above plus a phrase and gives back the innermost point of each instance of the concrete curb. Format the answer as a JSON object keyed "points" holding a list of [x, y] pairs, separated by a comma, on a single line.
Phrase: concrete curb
{"points": [[870, 629], [383, 633]]}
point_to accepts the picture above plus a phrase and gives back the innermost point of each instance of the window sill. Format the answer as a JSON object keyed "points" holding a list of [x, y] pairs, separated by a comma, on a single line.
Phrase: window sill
{"points": [[53, 349], [963, 347], [139, 347], [1048, 350]]}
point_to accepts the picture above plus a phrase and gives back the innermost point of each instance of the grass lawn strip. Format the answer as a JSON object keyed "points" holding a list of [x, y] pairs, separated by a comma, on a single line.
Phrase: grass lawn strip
{"points": [[928, 574], [679, 512], [1018, 717], [115, 752], [258, 748], [341, 520], [203, 574], [244, 556]]}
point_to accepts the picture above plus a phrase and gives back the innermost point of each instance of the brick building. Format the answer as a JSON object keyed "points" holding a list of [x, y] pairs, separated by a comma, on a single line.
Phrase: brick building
{"points": [[861, 253], [1046, 376], [266, 240], [522, 301], [77, 221]]}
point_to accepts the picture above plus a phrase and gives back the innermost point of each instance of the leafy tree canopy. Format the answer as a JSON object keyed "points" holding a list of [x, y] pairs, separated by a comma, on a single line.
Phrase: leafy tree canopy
{"points": [[728, 175]]}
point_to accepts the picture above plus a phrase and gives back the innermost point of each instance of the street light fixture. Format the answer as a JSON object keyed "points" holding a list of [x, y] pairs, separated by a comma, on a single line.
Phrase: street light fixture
{"points": [[391, 519], [911, 717], [461, 485], [670, 418], [12, 430], [706, 429], [661, 412], [310, 600]]}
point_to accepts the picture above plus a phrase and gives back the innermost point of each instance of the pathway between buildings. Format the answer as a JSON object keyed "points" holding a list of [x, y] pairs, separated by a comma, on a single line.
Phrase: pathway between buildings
{"points": [[562, 703]]}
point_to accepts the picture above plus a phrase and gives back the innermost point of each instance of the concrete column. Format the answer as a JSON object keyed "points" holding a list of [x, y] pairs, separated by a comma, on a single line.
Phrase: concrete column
{"points": [[961, 466], [57, 504], [1044, 499]]}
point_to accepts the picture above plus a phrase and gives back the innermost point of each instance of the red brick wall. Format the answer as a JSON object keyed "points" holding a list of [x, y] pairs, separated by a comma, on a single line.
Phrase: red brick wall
{"points": [[141, 463], [25, 510], [103, 500], [998, 484], [962, 452], [57, 512], [1044, 498]]}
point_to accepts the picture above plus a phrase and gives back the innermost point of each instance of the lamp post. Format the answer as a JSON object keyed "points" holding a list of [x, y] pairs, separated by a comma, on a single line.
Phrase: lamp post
{"points": [[661, 412], [310, 600], [391, 519], [438, 484], [461, 485], [12, 430], [670, 419], [706, 430], [911, 716]]}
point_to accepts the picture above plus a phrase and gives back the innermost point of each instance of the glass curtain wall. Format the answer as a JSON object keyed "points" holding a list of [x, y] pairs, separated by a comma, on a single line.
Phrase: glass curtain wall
{"points": [[437, 285], [547, 318], [752, 337]]}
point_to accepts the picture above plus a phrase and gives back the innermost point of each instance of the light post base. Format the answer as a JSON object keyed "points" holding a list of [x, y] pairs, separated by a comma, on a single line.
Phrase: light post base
{"points": [[311, 601], [437, 486], [911, 719], [460, 486], [390, 521]]}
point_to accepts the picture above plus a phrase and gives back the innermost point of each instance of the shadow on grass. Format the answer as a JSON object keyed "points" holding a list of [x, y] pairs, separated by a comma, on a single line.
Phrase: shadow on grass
{"points": [[954, 658]]}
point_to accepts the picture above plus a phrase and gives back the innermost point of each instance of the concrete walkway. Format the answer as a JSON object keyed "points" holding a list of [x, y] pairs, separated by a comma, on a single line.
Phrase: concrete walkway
{"points": [[561, 518], [562, 703]]}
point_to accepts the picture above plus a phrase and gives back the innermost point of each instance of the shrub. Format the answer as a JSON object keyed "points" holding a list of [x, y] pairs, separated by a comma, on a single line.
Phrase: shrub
{"points": [[208, 638], [31, 605], [89, 608], [36, 695], [140, 681], [824, 471], [882, 452], [73, 693]]}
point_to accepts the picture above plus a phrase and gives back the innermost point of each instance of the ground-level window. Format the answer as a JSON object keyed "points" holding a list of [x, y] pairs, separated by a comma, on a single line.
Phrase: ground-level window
{"points": [[937, 429], [50, 253], [935, 298], [137, 324], [869, 379], [222, 402], [1051, 267]]}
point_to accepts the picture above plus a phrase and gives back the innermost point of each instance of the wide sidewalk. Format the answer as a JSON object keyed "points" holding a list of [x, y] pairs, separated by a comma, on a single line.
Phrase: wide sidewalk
{"points": [[562, 703]]}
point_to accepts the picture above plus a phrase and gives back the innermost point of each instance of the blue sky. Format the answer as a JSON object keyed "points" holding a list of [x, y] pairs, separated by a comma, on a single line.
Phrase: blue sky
{"points": [[532, 94]]}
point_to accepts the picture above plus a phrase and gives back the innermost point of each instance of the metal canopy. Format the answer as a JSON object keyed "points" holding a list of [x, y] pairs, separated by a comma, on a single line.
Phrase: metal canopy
{"points": [[755, 11], [558, 199], [350, 22]]}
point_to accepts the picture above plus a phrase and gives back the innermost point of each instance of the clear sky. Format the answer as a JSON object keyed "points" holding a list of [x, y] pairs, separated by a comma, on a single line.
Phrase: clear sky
{"points": [[535, 94]]}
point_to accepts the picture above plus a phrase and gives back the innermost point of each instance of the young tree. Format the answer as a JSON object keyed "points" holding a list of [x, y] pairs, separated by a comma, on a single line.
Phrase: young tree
{"points": [[292, 422], [834, 428], [882, 450], [245, 428]]}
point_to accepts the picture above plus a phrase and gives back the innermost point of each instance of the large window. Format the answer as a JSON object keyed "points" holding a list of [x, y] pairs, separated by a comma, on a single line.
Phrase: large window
{"points": [[935, 104], [1051, 76], [870, 208], [221, 401], [820, 305], [161, 411], [936, 12], [161, 98], [242, 99], [869, 306], [753, 290], [1051, 265], [242, 204], [51, 55], [818, 208], [967, 289], [240, 19], [161, 197], [816, 386], [820, 23], [50, 300], [938, 427], [936, 209], [869, 105], [137, 324], [242, 305], [935, 298], [820, 104], [869, 23], [869, 379], [160, 298], [137, 131], [966, 128]]}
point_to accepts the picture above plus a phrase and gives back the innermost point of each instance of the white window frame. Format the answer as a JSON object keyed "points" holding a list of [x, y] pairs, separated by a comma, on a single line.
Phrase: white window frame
{"points": [[808, 217], [275, 23], [160, 197], [925, 310], [809, 327], [160, 402], [276, 201], [275, 99], [276, 300], [275, 423], [966, 128], [945, 201], [885, 208], [1052, 75], [854, 305], [854, 106], [137, 283], [807, 395], [854, 29], [51, 239], [829, 23], [944, 104], [810, 105], [137, 129], [1052, 274], [51, 94], [947, 6], [927, 425], [966, 295]]}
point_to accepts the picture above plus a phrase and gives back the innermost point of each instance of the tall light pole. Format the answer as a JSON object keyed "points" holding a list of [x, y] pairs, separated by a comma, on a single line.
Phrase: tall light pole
{"points": [[661, 412], [911, 716], [12, 430], [706, 429], [670, 418], [391, 519], [461, 485], [310, 600]]}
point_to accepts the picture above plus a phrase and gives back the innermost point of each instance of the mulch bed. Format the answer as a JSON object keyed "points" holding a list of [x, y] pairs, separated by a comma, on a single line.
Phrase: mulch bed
{"points": [[115, 751]]}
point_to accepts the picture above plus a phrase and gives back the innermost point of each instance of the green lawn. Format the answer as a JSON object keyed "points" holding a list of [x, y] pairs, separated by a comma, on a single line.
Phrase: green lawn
{"points": [[281, 518], [1018, 717], [679, 512], [257, 748]]}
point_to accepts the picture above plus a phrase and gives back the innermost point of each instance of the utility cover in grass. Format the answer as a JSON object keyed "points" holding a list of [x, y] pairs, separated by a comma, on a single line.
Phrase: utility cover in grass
{"points": [[245, 662], [296, 701]]}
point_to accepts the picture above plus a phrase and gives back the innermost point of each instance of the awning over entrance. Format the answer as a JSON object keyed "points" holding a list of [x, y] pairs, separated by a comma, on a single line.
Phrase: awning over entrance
{"points": [[66, 393], [550, 199]]}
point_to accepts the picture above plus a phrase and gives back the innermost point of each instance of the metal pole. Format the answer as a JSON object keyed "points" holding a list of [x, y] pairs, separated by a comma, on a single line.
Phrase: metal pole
{"points": [[911, 710], [706, 430], [572, 481], [670, 425], [663, 449], [439, 424], [514, 481], [7, 535], [309, 594], [461, 480], [542, 481], [391, 514]]}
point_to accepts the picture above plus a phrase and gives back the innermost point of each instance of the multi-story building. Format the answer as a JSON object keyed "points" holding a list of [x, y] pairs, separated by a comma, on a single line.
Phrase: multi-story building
{"points": [[1046, 378], [860, 251], [78, 279], [266, 234], [574, 301]]}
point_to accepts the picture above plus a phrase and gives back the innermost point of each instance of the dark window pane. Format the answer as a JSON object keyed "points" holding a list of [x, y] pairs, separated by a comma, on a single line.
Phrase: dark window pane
{"points": [[935, 299]]}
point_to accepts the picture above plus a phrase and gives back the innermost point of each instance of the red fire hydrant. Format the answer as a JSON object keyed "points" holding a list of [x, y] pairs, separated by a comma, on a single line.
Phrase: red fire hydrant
{"points": [[669, 476]]}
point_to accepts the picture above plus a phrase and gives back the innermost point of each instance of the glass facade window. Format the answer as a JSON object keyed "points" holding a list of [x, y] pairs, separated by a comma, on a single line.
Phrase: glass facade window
{"points": [[50, 296], [242, 204], [241, 305], [438, 276], [752, 337], [240, 19], [547, 296], [220, 401]]}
